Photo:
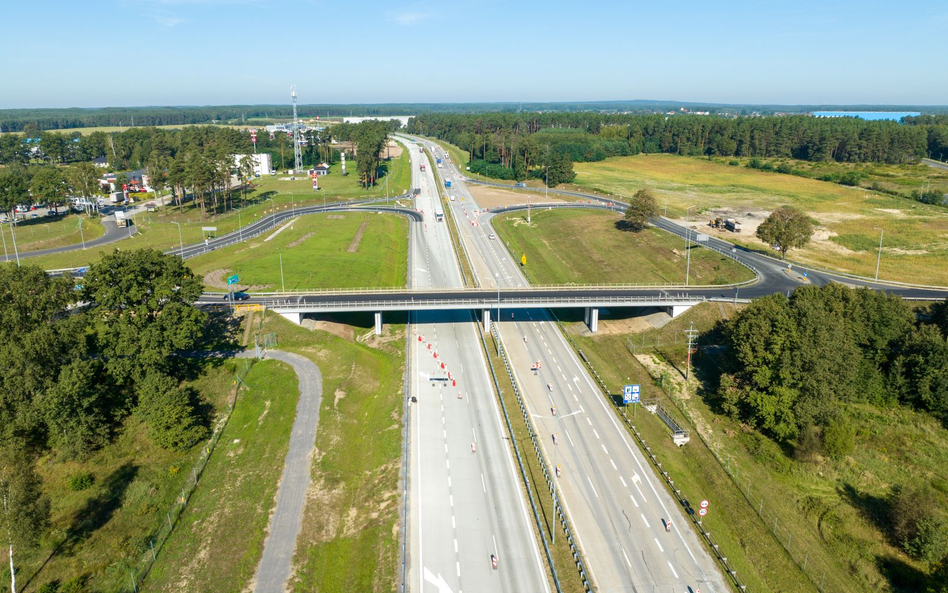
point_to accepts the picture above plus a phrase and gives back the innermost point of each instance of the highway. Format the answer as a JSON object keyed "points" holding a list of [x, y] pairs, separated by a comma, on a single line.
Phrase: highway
{"points": [[617, 507], [465, 501]]}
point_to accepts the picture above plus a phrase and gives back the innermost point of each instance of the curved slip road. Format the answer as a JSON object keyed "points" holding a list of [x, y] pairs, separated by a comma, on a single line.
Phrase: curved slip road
{"points": [[274, 568], [112, 234]]}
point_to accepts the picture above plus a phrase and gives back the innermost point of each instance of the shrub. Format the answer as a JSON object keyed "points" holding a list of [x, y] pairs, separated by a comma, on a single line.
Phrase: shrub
{"points": [[917, 522], [839, 438], [930, 542], [734, 163], [81, 481], [74, 585], [50, 587]]}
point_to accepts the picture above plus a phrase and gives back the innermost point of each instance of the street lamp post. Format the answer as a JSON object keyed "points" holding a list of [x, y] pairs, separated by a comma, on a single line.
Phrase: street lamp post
{"points": [[879, 258], [556, 423], [180, 239], [688, 243], [13, 234], [282, 282], [240, 227], [81, 234]]}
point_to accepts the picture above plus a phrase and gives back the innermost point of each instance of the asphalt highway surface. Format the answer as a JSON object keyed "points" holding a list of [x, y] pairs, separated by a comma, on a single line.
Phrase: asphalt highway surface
{"points": [[465, 501], [617, 507]]}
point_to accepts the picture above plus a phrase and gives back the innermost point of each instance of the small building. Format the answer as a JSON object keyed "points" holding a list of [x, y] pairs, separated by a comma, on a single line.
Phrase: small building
{"points": [[261, 163], [137, 181], [319, 170], [100, 161]]}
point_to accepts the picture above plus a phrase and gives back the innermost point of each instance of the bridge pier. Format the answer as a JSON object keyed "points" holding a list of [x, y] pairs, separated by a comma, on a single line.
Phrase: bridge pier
{"points": [[485, 314], [676, 310], [378, 324], [296, 318], [592, 319]]}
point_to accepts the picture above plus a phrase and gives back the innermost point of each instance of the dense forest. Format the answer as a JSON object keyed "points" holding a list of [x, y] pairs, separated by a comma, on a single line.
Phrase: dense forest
{"points": [[513, 144], [795, 368]]}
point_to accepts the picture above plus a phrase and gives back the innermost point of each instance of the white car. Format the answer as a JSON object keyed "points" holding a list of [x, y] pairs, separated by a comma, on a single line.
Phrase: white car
{"points": [[452, 198], [492, 236]]}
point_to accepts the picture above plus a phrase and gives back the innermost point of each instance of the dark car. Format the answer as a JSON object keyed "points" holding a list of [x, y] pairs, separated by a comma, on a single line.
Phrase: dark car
{"points": [[238, 296]]}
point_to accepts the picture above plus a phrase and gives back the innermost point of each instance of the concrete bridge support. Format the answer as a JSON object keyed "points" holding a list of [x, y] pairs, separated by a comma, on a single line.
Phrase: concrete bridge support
{"points": [[676, 310], [378, 324], [592, 319], [296, 318], [485, 314]]}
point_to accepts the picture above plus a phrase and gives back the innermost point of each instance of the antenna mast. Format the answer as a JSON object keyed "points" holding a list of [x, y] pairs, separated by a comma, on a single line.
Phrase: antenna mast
{"points": [[297, 150]]}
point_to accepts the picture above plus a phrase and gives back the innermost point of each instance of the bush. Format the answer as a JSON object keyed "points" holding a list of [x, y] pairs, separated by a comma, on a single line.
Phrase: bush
{"points": [[169, 411], [917, 522], [734, 163], [839, 438], [808, 444], [75, 585], [50, 587], [81, 481], [930, 542], [850, 178]]}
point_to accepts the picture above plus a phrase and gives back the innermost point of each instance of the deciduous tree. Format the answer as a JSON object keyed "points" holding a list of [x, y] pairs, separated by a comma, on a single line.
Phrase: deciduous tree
{"points": [[642, 207], [786, 228]]}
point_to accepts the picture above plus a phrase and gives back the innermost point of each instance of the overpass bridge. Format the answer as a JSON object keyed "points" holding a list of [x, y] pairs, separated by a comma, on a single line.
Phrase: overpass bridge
{"points": [[674, 300]]}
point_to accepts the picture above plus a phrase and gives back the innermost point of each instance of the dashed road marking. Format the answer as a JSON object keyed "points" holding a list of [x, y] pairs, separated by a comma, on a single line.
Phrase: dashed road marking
{"points": [[593, 487], [644, 520], [673, 569], [660, 548], [633, 501], [610, 461]]}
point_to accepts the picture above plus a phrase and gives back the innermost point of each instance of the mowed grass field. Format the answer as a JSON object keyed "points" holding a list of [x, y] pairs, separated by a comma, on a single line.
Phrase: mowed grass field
{"points": [[915, 245], [219, 538], [159, 230], [586, 247], [349, 536], [99, 534], [829, 511], [43, 233], [341, 250]]}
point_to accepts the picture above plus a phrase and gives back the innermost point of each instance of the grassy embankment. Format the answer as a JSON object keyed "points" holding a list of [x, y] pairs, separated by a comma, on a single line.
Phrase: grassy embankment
{"points": [[828, 513], [586, 247], [343, 250], [218, 541], [98, 534], [349, 538], [158, 230], [43, 233], [914, 246]]}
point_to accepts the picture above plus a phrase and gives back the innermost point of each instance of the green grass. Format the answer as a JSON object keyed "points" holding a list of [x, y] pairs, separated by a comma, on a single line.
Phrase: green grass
{"points": [[158, 230], [915, 249], [828, 510], [349, 538], [219, 538], [41, 233], [315, 254], [569, 246], [101, 533]]}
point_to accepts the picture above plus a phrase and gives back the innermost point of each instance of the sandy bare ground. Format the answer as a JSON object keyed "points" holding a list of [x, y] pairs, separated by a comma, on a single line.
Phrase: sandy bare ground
{"points": [[354, 246], [299, 241], [492, 197]]}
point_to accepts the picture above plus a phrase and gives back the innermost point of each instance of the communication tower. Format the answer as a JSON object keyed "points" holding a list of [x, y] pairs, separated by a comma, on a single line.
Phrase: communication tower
{"points": [[297, 140]]}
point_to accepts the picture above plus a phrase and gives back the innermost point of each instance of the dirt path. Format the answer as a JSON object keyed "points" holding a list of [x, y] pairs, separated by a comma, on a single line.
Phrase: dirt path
{"points": [[354, 246]]}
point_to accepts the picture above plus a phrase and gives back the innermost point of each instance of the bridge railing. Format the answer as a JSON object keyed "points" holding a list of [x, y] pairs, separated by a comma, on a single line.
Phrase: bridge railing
{"points": [[476, 303]]}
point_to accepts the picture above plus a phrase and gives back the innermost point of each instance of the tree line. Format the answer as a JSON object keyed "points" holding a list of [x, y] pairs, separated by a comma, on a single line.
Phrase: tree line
{"points": [[516, 141], [791, 364], [78, 363]]}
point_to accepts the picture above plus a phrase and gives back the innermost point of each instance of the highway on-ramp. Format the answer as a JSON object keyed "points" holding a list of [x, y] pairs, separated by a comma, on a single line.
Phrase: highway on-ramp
{"points": [[465, 501], [618, 508]]}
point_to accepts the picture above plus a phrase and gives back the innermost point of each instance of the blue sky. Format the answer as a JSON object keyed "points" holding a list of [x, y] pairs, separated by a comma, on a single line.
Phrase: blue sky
{"points": [[60, 53]]}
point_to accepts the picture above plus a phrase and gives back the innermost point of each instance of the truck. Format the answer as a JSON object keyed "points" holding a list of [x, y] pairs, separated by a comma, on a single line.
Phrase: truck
{"points": [[439, 163], [120, 220], [439, 213], [447, 183], [117, 197], [422, 166], [732, 225]]}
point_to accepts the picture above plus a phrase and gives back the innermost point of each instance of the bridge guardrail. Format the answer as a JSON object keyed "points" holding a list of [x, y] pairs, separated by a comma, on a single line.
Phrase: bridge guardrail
{"points": [[486, 304]]}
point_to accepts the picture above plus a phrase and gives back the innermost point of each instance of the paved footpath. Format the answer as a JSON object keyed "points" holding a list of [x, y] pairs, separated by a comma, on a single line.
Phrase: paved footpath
{"points": [[274, 568]]}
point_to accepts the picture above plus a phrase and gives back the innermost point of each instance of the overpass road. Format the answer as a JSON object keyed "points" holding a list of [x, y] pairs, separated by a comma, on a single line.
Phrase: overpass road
{"points": [[464, 496], [618, 509]]}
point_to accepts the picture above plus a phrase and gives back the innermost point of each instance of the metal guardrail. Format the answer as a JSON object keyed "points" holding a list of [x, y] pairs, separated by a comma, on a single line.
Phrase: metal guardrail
{"points": [[558, 509]]}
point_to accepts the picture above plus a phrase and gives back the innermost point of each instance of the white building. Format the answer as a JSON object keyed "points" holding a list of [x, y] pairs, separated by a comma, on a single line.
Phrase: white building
{"points": [[261, 163], [358, 120]]}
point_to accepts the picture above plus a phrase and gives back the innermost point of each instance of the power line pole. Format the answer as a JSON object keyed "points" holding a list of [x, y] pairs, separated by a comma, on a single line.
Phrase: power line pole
{"points": [[297, 150], [692, 334]]}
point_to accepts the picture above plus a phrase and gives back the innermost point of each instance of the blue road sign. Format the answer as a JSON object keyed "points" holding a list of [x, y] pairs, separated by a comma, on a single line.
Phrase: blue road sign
{"points": [[631, 394], [232, 279]]}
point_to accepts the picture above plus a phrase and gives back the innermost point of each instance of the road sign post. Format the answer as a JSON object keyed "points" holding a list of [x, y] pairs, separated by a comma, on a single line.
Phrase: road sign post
{"points": [[631, 394]]}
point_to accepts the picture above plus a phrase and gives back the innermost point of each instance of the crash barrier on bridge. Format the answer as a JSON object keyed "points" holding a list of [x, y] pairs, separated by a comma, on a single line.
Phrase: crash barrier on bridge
{"points": [[138, 572], [558, 509], [685, 504]]}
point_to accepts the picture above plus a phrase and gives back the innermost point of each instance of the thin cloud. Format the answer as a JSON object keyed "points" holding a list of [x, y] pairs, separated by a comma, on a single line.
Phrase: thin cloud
{"points": [[410, 18]]}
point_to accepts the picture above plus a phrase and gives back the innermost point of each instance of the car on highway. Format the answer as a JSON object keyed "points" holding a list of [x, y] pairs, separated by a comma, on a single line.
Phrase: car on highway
{"points": [[238, 296], [492, 236]]}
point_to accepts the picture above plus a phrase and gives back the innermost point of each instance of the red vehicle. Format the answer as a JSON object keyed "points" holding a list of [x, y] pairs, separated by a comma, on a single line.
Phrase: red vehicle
{"points": [[422, 166]]}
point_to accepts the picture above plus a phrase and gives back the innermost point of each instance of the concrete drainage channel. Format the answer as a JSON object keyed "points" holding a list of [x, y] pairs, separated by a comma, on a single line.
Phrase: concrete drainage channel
{"points": [[564, 521], [685, 504]]}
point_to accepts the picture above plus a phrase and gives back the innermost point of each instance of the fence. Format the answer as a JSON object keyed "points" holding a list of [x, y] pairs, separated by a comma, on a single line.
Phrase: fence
{"points": [[139, 571], [558, 510]]}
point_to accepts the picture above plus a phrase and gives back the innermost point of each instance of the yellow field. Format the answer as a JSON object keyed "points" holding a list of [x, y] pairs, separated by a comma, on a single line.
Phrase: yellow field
{"points": [[915, 242]]}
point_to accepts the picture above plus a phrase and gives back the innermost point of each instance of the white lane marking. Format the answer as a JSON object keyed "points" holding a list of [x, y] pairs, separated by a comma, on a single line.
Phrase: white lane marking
{"points": [[554, 362], [568, 437], [596, 433], [474, 433], [633, 501], [644, 520], [495, 543], [459, 571], [448, 462], [453, 525], [660, 548], [445, 447], [456, 545], [451, 498], [483, 484], [575, 398], [673, 569], [624, 485], [560, 370], [589, 421], [604, 450], [449, 481], [626, 557], [570, 386], [593, 487], [610, 461]]}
